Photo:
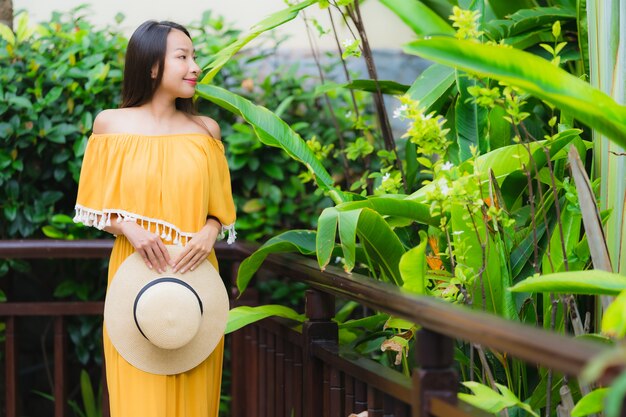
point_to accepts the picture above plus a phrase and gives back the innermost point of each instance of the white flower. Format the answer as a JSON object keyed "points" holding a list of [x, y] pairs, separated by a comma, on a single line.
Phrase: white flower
{"points": [[347, 43], [400, 112], [386, 177], [348, 114], [443, 186], [457, 232], [447, 166]]}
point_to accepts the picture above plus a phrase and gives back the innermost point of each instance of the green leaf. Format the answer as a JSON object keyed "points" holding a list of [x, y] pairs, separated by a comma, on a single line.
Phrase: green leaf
{"points": [[347, 223], [241, 316], [590, 403], [499, 129], [7, 34], [574, 282], [526, 20], [419, 17], [394, 206], [225, 54], [614, 399], [89, 399], [485, 398], [570, 223], [471, 120], [534, 75], [469, 235], [614, 317], [302, 241], [272, 131], [432, 83], [386, 87], [52, 232], [413, 267], [382, 245], [326, 234]]}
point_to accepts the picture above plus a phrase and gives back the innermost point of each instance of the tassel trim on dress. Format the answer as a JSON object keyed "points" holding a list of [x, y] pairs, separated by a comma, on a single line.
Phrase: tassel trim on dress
{"points": [[169, 232]]}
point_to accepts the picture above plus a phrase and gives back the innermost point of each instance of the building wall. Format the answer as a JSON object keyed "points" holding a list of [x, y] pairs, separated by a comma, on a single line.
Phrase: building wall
{"points": [[384, 29]]}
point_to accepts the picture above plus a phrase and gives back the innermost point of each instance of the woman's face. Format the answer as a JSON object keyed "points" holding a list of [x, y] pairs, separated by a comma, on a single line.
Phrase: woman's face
{"points": [[180, 71]]}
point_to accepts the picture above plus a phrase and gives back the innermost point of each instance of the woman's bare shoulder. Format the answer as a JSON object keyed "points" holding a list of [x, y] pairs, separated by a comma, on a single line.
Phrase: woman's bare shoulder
{"points": [[111, 120], [209, 125]]}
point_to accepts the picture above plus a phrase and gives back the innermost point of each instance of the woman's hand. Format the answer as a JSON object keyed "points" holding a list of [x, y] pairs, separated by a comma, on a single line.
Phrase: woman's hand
{"points": [[147, 244], [198, 247]]}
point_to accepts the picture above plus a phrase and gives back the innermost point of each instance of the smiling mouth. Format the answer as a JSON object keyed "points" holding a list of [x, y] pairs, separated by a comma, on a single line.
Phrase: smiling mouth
{"points": [[194, 82]]}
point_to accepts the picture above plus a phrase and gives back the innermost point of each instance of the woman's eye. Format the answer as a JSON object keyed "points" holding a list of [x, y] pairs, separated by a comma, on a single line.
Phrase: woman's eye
{"points": [[183, 56]]}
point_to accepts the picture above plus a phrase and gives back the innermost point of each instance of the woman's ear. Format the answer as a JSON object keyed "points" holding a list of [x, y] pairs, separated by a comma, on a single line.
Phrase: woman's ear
{"points": [[154, 71]]}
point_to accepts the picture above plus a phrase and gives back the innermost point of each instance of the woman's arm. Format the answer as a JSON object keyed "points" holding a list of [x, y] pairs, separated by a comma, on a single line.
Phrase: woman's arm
{"points": [[147, 244]]}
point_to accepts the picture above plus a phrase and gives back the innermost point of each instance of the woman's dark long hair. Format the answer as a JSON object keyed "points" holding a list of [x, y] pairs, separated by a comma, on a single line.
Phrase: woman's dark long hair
{"points": [[146, 48]]}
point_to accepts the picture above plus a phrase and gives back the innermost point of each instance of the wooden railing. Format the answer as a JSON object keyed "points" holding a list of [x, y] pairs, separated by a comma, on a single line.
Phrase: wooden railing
{"points": [[277, 370]]}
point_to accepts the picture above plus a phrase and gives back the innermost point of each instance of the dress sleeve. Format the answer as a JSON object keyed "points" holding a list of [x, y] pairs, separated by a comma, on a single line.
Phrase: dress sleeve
{"points": [[97, 186], [221, 204]]}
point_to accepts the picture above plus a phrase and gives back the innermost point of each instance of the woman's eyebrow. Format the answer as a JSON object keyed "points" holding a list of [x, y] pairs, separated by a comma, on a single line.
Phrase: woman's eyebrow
{"points": [[183, 49]]}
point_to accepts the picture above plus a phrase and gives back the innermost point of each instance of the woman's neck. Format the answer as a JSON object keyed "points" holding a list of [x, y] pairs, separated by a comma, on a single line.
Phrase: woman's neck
{"points": [[161, 108]]}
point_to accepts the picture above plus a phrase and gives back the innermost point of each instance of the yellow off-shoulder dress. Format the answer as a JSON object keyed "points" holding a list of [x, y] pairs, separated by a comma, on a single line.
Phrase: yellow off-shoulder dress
{"points": [[168, 184]]}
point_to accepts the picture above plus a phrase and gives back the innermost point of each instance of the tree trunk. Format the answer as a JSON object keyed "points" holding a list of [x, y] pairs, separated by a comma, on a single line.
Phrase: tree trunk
{"points": [[6, 12]]}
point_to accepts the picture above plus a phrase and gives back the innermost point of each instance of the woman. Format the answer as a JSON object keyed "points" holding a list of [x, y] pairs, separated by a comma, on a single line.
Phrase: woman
{"points": [[154, 173]]}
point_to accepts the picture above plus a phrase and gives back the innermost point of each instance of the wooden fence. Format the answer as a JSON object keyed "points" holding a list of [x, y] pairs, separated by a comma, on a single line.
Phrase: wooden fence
{"points": [[279, 370]]}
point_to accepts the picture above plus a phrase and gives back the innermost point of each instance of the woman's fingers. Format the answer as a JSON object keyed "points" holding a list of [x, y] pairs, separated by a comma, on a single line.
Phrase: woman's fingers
{"points": [[190, 259]]}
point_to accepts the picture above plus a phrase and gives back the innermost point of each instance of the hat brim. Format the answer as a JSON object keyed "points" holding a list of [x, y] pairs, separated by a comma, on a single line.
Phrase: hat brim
{"points": [[129, 279]]}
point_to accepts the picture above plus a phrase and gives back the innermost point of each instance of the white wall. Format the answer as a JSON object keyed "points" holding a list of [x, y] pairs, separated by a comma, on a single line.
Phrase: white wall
{"points": [[384, 29]]}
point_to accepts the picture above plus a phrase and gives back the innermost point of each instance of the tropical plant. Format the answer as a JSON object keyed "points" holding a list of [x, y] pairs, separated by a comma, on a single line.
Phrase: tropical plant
{"points": [[491, 125]]}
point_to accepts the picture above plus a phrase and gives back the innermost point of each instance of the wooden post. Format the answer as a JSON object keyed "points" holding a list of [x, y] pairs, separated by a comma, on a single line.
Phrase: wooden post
{"points": [[435, 376], [11, 367], [319, 310], [60, 396]]}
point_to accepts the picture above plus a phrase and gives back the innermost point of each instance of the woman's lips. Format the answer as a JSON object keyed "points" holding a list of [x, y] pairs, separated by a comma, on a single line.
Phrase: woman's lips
{"points": [[192, 82]]}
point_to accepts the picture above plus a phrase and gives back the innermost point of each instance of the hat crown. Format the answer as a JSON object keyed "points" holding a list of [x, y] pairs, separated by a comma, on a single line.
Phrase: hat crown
{"points": [[168, 313]]}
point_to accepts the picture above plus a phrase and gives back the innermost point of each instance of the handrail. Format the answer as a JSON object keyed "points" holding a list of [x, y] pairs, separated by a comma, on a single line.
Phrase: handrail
{"points": [[561, 353]]}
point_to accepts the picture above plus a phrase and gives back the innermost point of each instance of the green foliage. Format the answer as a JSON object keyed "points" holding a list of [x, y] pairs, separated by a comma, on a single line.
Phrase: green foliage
{"points": [[535, 75], [574, 282], [55, 77], [487, 399], [590, 403], [239, 317]]}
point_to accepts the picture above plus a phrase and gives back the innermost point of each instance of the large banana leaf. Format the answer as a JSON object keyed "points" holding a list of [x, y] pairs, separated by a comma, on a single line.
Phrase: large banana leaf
{"points": [[272, 131], [302, 241], [470, 119], [590, 282], [505, 162], [419, 17], [432, 83], [534, 75], [326, 235], [386, 206], [488, 283], [554, 261], [382, 246], [413, 267], [270, 22]]}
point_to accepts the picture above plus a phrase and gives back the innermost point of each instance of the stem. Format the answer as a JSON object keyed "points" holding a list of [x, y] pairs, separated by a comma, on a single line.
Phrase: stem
{"points": [[343, 63], [532, 219], [385, 126], [338, 132], [554, 302], [488, 374]]}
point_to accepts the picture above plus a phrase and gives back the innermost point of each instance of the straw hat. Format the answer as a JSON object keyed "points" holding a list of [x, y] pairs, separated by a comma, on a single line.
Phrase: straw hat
{"points": [[165, 323]]}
